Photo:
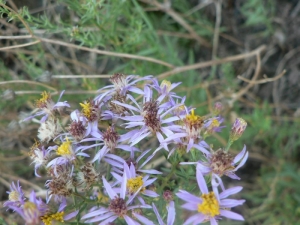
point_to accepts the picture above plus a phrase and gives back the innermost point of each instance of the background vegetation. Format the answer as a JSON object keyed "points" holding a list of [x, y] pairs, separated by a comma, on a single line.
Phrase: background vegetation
{"points": [[230, 51]]}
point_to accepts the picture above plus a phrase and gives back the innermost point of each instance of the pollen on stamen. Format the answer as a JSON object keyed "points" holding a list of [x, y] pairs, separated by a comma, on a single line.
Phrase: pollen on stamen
{"points": [[47, 219], [42, 102], [210, 205], [134, 184], [90, 110], [64, 148]]}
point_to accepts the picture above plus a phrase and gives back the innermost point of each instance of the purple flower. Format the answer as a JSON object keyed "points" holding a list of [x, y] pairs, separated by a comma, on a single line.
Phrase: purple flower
{"points": [[221, 163], [152, 118], [165, 88], [211, 206], [67, 153], [32, 210], [212, 125], [46, 107], [121, 84], [110, 140], [59, 215], [136, 184], [15, 196], [118, 206], [171, 214], [238, 128], [189, 135]]}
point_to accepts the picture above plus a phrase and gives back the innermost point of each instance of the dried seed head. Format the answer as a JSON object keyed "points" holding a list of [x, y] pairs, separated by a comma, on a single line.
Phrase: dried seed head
{"points": [[151, 119], [87, 175], [168, 196], [221, 162], [77, 130], [49, 130], [118, 206], [119, 81], [61, 186], [110, 138], [116, 108]]}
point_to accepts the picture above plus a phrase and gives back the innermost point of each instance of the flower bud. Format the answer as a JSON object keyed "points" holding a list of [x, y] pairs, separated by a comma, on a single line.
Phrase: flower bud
{"points": [[218, 107], [237, 129]]}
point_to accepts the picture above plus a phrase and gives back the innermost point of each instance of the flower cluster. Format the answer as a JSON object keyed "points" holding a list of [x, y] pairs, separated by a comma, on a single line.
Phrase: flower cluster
{"points": [[100, 159]]}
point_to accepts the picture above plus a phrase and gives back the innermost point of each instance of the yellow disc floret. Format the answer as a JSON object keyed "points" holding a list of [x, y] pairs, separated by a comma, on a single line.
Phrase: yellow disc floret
{"points": [[42, 102], [47, 219], [13, 196], [167, 84], [192, 118], [86, 109], [65, 148], [134, 184], [210, 205]]}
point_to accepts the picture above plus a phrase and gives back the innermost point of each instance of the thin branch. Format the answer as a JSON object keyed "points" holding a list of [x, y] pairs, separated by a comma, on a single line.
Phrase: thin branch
{"points": [[211, 62], [79, 76], [217, 29], [28, 82], [20, 46], [265, 80], [16, 37]]}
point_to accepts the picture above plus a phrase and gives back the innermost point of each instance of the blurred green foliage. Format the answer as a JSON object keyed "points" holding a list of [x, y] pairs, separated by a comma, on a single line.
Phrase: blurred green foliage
{"points": [[131, 27]]}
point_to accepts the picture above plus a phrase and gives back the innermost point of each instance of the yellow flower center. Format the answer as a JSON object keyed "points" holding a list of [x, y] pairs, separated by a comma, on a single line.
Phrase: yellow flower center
{"points": [[167, 84], [134, 184], [42, 102], [86, 109], [64, 148], [192, 118], [13, 196], [47, 219], [29, 207], [210, 205], [102, 198]]}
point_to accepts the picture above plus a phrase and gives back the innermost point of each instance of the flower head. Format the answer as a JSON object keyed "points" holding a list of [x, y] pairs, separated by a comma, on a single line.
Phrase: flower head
{"points": [[15, 196], [237, 129], [211, 206], [46, 107], [118, 207]]}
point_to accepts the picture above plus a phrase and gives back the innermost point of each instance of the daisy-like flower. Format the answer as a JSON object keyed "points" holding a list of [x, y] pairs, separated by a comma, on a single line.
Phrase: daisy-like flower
{"points": [[122, 84], [152, 118], [211, 206], [110, 140], [164, 89], [171, 214], [219, 163], [212, 125], [32, 210], [118, 207], [136, 183], [60, 216], [46, 107], [190, 133], [67, 153], [15, 196]]}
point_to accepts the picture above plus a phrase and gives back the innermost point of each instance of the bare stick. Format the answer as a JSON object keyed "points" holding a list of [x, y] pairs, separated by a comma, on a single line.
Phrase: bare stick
{"points": [[79, 76], [19, 46], [211, 62], [217, 29], [28, 82], [266, 80]]}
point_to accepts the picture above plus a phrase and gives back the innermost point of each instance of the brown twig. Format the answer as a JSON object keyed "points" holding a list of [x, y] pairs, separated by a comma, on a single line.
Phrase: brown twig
{"points": [[265, 80], [28, 82], [211, 62]]}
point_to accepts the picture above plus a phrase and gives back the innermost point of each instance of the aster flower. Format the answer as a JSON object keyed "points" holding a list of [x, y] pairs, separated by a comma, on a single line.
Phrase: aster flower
{"points": [[32, 210], [60, 216], [136, 184], [118, 206], [67, 153], [212, 125], [110, 140], [122, 84], [221, 163], [152, 119], [211, 206], [171, 214], [46, 107], [164, 89], [190, 133], [15, 196]]}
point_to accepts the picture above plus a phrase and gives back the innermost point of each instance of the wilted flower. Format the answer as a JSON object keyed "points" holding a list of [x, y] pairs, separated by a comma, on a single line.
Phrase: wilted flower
{"points": [[237, 129], [211, 206], [49, 130], [46, 107]]}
